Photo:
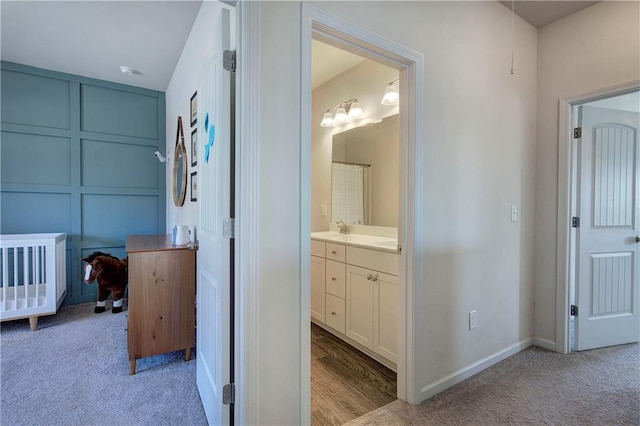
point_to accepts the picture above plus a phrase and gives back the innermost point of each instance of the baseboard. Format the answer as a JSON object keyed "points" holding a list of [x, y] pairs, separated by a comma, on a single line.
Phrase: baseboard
{"points": [[544, 343], [464, 373]]}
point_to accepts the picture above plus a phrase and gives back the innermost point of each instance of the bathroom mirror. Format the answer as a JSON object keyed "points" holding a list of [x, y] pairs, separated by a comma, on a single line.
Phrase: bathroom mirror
{"points": [[179, 180], [364, 174]]}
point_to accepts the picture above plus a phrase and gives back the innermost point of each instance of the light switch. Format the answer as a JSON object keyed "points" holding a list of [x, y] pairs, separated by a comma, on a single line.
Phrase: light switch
{"points": [[514, 213], [324, 210]]}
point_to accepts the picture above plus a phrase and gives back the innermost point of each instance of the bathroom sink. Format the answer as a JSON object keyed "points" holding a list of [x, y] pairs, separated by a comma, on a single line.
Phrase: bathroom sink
{"points": [[358, 240]]}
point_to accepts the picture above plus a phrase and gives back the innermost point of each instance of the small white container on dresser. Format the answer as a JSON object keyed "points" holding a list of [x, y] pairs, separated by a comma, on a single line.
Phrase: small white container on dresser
{"points": [[354, 287]]}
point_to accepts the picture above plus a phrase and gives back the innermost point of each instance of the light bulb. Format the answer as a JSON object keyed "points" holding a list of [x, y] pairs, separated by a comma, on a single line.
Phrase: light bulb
{"points": [[341, 115], [327, 120], [355, 111], [391, 95]]}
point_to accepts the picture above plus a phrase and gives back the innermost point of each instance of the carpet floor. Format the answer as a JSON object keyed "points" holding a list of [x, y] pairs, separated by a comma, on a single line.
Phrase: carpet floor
{"points": [[534, 387], [74, 370]]}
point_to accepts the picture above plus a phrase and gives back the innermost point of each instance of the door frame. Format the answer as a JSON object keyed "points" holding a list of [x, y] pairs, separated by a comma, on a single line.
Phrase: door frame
{"points": [[410, 65], [565, 237]]}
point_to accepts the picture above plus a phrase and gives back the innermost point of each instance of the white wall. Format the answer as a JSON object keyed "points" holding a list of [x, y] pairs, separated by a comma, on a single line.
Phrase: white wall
{"points": [[278, 359], [366, 82], [592, 49], [197, 53], [478, 158]]}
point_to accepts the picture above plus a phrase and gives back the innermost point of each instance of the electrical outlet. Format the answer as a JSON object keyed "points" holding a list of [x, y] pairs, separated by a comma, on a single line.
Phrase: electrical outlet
{"points": [[323, 210], [514, 213], [473, 319]]}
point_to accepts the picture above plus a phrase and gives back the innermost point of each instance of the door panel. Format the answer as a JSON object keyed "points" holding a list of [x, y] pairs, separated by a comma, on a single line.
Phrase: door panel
{"points": [[318, 288], [386, 324], [360, 306], [607, 277], [214, 254]]}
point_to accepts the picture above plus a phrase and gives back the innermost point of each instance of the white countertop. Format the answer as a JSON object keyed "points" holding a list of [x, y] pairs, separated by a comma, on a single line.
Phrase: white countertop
{"points": [[372, 242]]}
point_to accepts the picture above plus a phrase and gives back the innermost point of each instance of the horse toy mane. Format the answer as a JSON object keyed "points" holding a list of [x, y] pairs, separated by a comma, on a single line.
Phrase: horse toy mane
{"points": [[112, 276]]}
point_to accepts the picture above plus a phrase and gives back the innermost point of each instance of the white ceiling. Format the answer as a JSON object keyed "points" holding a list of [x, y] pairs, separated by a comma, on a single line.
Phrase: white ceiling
{"points": [[328, 62], [94, 38], [541, 13]]}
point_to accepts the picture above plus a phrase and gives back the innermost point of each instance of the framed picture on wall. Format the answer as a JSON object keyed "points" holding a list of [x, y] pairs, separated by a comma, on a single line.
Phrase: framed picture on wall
{"points": [[194, 108], [194, 147], [194, 186]]}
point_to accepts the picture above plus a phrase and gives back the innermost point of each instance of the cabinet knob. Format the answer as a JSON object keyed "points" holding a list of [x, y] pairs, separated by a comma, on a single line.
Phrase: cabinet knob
{"points": [[333, 252], [369, 277], [374, 278], [333, 313], [333, 278]]}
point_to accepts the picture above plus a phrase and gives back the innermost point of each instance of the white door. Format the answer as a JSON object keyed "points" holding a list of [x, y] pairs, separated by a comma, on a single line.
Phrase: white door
{"points": [[213, 337], [608, 281]]}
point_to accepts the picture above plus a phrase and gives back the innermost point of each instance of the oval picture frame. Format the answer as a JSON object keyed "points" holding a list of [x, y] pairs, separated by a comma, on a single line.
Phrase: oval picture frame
{"points": [[179, 180]]}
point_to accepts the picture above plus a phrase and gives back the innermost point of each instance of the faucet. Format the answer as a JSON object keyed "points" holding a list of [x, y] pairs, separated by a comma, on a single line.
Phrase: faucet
{"points": [[344, 228]]}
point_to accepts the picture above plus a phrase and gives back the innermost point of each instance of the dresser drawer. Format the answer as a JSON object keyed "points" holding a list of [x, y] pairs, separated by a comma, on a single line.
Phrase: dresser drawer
{"points": [[335, 252], [317, 248], [335, 313], [335, 278]]}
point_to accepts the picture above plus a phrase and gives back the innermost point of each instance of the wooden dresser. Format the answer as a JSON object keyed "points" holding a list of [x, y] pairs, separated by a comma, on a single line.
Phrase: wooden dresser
{"points": [[161, 316]]}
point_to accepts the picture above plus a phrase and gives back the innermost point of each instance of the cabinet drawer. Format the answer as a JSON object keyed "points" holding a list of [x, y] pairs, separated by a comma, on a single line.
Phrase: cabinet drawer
{"points": [[372, 259], [335, 274], [335, 313], [317, 248], [335, 252]]}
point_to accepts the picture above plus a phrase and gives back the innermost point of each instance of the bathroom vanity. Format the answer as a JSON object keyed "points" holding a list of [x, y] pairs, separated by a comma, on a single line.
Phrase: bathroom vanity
{"points": [[354, 290]]}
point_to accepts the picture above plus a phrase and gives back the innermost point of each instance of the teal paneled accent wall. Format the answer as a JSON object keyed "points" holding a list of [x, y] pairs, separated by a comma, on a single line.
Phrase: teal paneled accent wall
{"points": [[76, 156]]}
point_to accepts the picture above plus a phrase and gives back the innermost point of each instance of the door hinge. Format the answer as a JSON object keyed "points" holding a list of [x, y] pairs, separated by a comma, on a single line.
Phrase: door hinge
{"points": [[575, 222], [577, 132], [574, 310], [229, 394], [229, 228], [229, 60]]}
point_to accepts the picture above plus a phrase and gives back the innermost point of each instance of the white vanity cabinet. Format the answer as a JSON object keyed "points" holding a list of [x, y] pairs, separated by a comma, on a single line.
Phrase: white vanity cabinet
{"points": [[354, 293], [372, 288], [318, 281]]}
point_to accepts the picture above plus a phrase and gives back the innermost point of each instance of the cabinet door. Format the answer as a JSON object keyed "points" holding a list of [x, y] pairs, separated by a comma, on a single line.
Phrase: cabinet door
{"points": [[385, 341], [360, 299], [317, 288]]}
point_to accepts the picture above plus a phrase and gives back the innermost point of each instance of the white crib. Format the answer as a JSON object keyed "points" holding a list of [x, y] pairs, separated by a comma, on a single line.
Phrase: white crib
{"points": [[34, 276]]}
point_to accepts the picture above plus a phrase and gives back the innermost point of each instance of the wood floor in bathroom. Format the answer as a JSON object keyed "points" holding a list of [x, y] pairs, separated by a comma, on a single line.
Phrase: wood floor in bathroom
{"points": [[345, 383]]}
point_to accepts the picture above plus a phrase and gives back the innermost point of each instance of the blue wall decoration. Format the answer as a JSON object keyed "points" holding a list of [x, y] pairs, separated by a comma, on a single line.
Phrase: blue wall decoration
{"points": [[77, 157]]}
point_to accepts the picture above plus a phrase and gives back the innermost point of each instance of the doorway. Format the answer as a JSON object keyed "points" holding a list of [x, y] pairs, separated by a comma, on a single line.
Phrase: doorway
{"points": [[605, 221], [355, 170], [320, 27]]}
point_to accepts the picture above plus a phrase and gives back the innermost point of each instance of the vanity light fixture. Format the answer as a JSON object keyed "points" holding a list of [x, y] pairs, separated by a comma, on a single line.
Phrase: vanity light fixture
{"points": [[391, 93], [344, 111]]}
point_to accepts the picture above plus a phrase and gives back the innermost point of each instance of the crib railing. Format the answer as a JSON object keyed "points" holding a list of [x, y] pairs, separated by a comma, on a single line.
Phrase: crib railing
{"points": [[33, 276]]}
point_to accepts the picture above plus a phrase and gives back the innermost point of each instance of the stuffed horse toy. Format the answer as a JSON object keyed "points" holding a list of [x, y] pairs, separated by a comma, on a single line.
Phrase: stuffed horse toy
{"points": [[112, 276]]}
